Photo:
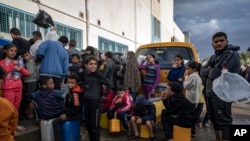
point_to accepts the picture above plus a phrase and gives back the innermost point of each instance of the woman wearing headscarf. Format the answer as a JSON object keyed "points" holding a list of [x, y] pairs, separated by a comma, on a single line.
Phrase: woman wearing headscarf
{"points": [[132, 78]]}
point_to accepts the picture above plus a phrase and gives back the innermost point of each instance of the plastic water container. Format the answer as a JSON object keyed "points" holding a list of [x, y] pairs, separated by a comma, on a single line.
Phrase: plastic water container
{"points": [[71, 131], [231, 87], [104, 122], [114, 126], [144, 132], [181, 133], [47, 132]]}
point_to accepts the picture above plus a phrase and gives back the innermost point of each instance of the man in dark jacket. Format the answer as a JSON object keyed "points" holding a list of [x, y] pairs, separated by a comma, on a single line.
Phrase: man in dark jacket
{"points": [[179, 111], [110, 71], [225, 56]]}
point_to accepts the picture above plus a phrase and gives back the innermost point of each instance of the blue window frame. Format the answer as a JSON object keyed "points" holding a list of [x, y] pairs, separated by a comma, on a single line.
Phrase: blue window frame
{"points": [[156, 30], [12, 17], [109, 45]]}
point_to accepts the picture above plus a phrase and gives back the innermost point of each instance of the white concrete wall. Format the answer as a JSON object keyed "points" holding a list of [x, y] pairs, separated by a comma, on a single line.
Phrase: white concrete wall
{"points": [[178, 33], [72, 19], [133, 17], [143, 19], [167, 20], [116, 16]]}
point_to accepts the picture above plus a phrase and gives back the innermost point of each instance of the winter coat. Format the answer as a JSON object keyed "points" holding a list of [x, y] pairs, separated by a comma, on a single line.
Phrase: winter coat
{"points": [[212, 70], [92, 84], [175, 73], [110, 72], [73, 104], [49, 103], [179, 107], [54, 59], [193, 84], [126, 105], [146, 112]]}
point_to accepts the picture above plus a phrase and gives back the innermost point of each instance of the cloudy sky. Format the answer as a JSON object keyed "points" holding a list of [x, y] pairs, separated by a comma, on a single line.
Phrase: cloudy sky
{"points": [[202, 18]]}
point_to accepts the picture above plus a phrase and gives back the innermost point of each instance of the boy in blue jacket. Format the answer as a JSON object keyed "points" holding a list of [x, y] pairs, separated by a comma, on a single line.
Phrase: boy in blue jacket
{"points": [[49, 102]]}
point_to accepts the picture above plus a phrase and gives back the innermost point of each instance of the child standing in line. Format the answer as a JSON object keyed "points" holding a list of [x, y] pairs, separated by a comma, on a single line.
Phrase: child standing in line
{"points": [[177, 71], [49, 101], [152, 76], [92, 81], [193, 84], [72, 108], [8, 120], [12, 82], [75, 65], [29, 85]]}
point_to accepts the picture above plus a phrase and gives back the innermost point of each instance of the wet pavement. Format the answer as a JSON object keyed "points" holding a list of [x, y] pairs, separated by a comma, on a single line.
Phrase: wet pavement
{"points": [[241, 115]]}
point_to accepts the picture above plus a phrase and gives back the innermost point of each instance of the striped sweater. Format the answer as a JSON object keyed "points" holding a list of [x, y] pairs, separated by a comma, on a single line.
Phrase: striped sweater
{"points": [[152, 76]]}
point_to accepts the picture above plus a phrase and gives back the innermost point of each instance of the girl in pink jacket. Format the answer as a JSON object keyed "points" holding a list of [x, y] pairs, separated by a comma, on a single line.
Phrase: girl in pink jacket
{"points": [[12, 82]]}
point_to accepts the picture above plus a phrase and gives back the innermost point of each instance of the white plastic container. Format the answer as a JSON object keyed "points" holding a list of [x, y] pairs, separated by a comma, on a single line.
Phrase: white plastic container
{"points": [[47, 132], [231, 87]]}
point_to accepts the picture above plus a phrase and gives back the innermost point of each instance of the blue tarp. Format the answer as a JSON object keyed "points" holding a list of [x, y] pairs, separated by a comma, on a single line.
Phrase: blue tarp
{"points": [[4, 42]]}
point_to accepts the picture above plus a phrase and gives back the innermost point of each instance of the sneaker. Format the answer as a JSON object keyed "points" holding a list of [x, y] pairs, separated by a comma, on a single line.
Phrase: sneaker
{"points": [[153, 139]]}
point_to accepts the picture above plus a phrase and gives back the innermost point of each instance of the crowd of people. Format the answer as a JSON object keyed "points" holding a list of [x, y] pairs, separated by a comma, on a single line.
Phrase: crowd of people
{"points": [[34, 75]]}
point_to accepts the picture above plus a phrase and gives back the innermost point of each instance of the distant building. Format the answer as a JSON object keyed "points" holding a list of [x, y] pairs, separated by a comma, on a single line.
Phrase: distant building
{"points": [[187, 36], [109, 25]]}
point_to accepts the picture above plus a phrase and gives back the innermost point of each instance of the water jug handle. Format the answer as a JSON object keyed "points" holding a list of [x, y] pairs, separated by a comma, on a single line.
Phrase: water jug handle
{"points": [[243, 100]]}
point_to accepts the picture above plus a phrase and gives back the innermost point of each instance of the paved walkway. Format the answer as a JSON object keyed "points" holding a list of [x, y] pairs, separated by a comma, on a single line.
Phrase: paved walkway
{"points": [[241, 115]]}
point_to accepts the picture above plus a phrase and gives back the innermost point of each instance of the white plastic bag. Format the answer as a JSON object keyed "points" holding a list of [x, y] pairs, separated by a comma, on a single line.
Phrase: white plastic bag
{"points": [[231, 87], [47, 132]]}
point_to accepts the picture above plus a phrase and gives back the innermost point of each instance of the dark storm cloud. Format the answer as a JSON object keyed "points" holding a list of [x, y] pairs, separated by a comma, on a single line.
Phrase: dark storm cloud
{"points": [[202, 18]]}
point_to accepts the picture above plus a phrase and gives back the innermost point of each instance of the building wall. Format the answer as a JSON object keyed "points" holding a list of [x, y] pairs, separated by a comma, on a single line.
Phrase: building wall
{"points": [[143, 22], [128, 22]]}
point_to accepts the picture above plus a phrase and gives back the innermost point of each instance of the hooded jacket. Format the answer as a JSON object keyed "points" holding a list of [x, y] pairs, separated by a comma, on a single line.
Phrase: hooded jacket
{"points": [[146, 112], [73, 103], [179, 107], [228, 57], [49, 103]]}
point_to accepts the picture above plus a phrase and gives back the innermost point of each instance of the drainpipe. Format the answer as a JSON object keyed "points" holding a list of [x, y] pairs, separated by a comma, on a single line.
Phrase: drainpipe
{"points": [[135, 24], [87, 22]]}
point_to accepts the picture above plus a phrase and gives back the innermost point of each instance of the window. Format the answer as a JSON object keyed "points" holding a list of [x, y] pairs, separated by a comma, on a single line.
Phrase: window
{"points": [[156, 30], [12, 17], [108, 45], [165, 55], [70, 32]]}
